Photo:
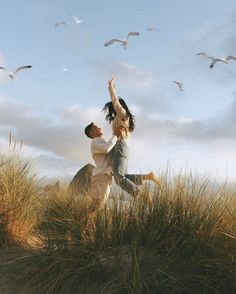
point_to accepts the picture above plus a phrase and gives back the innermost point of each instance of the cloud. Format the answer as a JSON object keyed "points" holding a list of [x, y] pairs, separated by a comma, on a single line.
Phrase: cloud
{"points": [[218, 39], [65, 138], [141, 86], [60, 146], [219, 127], [130, 75]]}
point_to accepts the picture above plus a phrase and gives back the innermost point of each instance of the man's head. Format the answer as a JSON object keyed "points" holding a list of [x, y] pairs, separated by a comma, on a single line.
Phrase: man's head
{"points": [[93, 131]]}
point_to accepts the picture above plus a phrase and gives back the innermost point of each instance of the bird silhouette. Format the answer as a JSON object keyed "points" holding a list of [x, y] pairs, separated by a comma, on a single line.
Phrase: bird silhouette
{"points": [[180, 86], [60, 23], [12, 75], [215, 60], [123, 42]]}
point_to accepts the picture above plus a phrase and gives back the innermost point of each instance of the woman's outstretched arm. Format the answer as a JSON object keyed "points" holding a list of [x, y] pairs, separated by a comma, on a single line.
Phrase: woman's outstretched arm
{"points": [[121, 112]]}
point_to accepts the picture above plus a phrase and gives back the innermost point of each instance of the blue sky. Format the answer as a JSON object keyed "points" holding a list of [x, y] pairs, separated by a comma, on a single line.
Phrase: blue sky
{"points": [[48, 108]]}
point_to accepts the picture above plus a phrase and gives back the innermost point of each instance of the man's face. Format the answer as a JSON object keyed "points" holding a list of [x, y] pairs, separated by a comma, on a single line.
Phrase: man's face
{"points": [[96, 131]]}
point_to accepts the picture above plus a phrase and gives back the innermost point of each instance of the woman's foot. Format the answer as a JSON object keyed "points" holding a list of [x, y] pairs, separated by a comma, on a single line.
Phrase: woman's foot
{"points": [[152, 176]]}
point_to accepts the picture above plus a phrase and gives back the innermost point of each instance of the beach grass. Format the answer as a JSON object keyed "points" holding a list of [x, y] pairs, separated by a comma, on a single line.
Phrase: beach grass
{"points": [[184, 243]]}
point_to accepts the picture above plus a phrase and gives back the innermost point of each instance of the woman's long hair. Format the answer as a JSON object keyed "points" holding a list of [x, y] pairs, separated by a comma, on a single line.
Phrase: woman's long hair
{"points": [[111, 113]]}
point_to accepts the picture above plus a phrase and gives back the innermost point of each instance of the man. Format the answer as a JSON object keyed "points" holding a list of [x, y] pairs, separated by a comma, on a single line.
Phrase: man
{"points": [[102, 173]]}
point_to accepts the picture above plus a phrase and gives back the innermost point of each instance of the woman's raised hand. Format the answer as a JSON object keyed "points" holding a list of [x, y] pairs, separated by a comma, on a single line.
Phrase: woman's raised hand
{"points": [[111, 83]]}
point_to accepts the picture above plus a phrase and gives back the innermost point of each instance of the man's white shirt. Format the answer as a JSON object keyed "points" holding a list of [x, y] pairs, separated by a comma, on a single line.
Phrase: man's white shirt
{"points": [[99, 151]]}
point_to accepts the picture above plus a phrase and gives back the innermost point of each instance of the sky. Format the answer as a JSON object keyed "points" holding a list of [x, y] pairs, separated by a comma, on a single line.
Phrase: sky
{"points": [[48, 108]]}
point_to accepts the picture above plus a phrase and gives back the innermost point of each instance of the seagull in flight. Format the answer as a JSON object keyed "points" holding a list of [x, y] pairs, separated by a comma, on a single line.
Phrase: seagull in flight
{"points": [[123, 42], [12, 75], [179, 85], [214, 60], [76, 19], [152, 29], [60, 23]]}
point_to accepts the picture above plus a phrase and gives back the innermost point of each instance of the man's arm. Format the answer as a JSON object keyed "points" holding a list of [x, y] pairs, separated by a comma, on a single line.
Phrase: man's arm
{"points": [[101, 146]]}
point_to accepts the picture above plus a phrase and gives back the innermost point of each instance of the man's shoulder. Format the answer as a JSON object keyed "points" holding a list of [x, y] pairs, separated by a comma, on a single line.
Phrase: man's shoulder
{"points": [[98, 139]]}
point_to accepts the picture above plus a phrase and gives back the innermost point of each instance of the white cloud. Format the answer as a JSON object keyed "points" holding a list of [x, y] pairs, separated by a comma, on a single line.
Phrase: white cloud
{"points": [[61, 147], [127, 74]]}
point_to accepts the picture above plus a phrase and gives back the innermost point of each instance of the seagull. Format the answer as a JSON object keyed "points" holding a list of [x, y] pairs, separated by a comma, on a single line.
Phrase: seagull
{"points": [[12, 75], [223, 59], [152, 29], [60, 23], [214, 60], [62, 66], [123, 42], [179, 85], [76, 19]]}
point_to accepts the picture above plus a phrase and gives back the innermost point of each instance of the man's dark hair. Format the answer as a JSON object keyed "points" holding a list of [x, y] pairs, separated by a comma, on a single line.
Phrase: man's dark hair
{"points": [[88, 129]]}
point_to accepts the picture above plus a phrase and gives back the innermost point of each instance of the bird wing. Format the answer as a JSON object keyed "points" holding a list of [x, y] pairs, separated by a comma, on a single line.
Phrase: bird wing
{"points": [[112, 41], [220, 60], [132, 34], [179, 85], [3, 68], [212, 58], [202, 53], [152, 29], [230, 57], [76, 19], [22, 67], [60, 23]]}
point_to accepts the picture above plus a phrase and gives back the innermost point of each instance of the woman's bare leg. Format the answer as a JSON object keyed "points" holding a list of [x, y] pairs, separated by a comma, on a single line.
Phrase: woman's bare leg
{"points": [[152, 176]]}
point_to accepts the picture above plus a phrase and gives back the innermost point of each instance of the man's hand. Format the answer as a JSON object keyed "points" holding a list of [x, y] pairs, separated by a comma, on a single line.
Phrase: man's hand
{"points": [[118, 132]]}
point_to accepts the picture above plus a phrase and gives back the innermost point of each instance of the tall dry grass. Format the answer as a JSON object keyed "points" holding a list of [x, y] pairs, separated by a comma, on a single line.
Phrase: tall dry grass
{"points": [[184, 243], [19, 201]]}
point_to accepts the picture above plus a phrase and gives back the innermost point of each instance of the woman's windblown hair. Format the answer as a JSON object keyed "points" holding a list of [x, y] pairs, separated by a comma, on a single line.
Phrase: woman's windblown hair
{"points": [[111, 113]]}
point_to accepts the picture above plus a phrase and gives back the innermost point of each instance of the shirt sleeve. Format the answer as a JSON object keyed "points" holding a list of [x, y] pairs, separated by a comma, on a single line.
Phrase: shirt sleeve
{"points": [[101, 146], [120, 111]]}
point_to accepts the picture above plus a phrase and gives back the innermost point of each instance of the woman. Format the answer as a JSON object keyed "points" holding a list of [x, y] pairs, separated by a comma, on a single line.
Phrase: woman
{"points": [[119, 115]]}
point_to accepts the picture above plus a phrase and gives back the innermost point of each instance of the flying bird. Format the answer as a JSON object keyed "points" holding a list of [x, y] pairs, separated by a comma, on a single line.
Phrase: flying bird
{"points": [[60, 23], [123, 42], [12, 75], [76, 19], [179, 85], [152, 29], [214, 60]]}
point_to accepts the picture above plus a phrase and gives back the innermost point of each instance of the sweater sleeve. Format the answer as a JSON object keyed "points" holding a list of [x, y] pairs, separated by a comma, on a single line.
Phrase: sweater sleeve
{"points": [[101, 146], [120, 111]]}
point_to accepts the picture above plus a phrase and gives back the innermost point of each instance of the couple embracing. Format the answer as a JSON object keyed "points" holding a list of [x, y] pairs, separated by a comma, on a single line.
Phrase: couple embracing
{"points": [[111, 157]]}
